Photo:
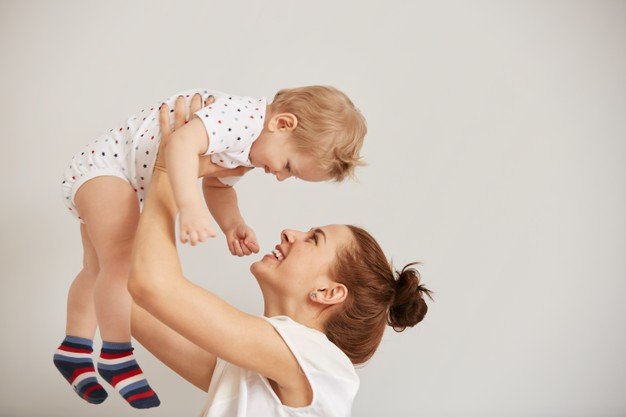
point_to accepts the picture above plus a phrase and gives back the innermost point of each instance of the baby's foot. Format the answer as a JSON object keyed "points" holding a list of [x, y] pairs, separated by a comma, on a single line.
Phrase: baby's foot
{"points": [[117, 365], [73, 360]]}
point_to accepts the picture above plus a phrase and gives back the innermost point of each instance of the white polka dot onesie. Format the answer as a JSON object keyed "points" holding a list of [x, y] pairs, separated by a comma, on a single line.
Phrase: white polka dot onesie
{"points": [[233, 123]]}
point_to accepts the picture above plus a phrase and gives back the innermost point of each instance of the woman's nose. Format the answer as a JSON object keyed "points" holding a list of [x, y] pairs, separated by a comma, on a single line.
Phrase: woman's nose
{"points": [[285, 236], [289, 235]]}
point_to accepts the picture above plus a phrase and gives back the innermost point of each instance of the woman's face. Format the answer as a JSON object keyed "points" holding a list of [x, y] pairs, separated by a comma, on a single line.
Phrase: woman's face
{"points": [[301, 262]]}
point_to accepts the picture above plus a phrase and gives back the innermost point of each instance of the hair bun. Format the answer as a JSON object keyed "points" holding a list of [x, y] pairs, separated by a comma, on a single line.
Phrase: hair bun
{"points": [[408, 306]]}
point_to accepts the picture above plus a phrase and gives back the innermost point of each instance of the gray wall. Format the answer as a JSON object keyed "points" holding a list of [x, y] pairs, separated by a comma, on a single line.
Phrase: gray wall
{"points": [[496, 156]]}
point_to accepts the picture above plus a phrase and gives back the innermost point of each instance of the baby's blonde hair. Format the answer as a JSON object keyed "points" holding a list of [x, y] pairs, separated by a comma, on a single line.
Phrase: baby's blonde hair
{"points": [[329, 127]]}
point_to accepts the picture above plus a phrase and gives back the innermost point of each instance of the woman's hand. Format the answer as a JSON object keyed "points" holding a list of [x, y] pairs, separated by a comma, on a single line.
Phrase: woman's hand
{"points": [[206, 167]]}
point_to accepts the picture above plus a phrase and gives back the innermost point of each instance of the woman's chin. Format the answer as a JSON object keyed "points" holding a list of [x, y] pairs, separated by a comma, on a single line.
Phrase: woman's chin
{"points": [[259, 266], [264, 270]]}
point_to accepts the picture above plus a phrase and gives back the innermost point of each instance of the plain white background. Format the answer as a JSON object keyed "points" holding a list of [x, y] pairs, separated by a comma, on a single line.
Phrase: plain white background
{"points": [[496, 153]]}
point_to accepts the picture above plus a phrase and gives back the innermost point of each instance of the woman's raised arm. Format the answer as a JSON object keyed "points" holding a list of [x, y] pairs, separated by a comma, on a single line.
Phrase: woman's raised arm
{"points": [[158, 286]]}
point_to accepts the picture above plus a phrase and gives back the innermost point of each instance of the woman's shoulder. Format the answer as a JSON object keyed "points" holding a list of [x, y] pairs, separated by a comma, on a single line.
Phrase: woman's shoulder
{"points": [[313, 350]]}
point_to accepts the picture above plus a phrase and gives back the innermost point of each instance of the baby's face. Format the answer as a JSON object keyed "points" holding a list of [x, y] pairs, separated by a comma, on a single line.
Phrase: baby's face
{"points": [[277, 154]]}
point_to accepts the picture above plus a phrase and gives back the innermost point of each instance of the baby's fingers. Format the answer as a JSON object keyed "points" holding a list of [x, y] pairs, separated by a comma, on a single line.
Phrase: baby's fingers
{"points": [[193, 237], [231, 246], [203, 235], [246, 250], [237, 247], [252, 245], [184, 236]]}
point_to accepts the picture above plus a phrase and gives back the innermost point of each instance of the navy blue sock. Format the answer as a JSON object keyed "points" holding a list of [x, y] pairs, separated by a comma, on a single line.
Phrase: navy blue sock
{"points": [[117, 365], [73, 360]]}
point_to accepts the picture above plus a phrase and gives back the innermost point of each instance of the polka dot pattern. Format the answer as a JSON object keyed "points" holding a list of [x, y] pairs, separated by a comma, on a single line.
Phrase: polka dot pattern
{"points": [[129, 151], [233, 123]]}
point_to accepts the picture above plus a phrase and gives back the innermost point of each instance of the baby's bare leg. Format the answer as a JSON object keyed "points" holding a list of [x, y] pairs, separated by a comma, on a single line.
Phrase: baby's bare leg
{"points": [[81, 313], [110, 209], [73, 358]]}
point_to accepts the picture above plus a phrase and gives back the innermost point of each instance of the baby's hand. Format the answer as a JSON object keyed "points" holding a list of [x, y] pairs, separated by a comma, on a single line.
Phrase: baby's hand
{"points": [[242, 240], [195, 225]]}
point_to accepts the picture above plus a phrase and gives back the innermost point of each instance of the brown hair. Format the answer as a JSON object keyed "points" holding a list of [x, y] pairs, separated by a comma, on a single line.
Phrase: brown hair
{"points": [[329, 127], [377, 296]]}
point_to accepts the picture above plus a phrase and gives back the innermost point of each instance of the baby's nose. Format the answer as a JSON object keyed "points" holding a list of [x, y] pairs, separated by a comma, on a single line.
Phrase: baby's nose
{"points": [[281, 176]]}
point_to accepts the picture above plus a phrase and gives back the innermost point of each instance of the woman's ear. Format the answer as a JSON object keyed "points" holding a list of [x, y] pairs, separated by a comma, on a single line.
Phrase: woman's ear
{"points": [[334, 293], [282, 122]]}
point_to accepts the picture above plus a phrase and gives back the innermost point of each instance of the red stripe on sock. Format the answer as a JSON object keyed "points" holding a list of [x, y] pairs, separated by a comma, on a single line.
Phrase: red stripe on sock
{"points": [[73, 349], [90, 390], [121, 377], [80, 371], [146, 394], [115, 355]]}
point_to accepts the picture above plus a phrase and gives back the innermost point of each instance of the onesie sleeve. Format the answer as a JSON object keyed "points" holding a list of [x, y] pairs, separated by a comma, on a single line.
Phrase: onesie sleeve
{"points": [[229, 180], [232, 124]]}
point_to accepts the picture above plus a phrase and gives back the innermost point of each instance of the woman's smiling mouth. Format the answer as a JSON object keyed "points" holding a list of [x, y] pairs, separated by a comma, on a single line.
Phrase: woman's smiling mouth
{"points": [[278, 253]]}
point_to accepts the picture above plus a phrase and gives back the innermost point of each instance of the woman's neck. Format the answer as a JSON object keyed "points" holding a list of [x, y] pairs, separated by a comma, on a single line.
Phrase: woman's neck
{"points": [[303, 314]]}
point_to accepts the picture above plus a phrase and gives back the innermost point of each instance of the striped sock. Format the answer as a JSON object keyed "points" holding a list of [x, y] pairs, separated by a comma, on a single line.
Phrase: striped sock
{"points": [[117, 365], [73, 360]]}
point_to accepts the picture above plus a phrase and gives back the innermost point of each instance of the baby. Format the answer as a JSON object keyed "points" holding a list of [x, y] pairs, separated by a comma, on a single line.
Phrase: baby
{"points": [[313, 133]]}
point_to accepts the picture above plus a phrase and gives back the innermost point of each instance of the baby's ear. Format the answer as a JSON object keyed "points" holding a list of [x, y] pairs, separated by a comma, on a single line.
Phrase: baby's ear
{"points": [[283, 122]]}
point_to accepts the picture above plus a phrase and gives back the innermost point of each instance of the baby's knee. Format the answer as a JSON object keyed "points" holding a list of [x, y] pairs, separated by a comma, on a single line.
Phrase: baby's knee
{"points": [[115, 270], [90, 270]]}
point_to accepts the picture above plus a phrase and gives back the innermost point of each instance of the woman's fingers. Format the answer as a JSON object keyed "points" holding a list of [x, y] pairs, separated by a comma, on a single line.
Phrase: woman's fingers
{"points": [[164, 119], [179, 112], [196, 104], [206, 168], [209, 100], [164, 122]]}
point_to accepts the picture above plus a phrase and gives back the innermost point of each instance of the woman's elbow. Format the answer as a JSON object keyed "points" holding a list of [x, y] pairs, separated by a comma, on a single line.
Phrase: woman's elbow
{"points": [[139, 290], [147, 291]]}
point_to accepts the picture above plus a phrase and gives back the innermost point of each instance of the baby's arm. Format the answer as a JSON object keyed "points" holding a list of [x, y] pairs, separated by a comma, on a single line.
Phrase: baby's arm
{"points": [[181, 155], [221, 200]]}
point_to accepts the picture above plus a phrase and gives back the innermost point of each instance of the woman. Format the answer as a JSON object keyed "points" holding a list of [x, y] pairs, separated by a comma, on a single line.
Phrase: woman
{"points": [[328, 295]]}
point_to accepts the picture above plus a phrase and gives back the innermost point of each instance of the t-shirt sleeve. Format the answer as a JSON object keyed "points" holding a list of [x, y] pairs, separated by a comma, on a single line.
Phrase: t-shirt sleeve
{"points": [[232, 124]]}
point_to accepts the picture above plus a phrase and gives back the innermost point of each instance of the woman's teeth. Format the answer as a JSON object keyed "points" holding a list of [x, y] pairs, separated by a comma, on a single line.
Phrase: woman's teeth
{"points": [[278, 255]]}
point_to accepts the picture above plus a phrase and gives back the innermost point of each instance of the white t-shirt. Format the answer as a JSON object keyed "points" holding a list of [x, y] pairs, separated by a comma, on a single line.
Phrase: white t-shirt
{"points": [[238, 392]]}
